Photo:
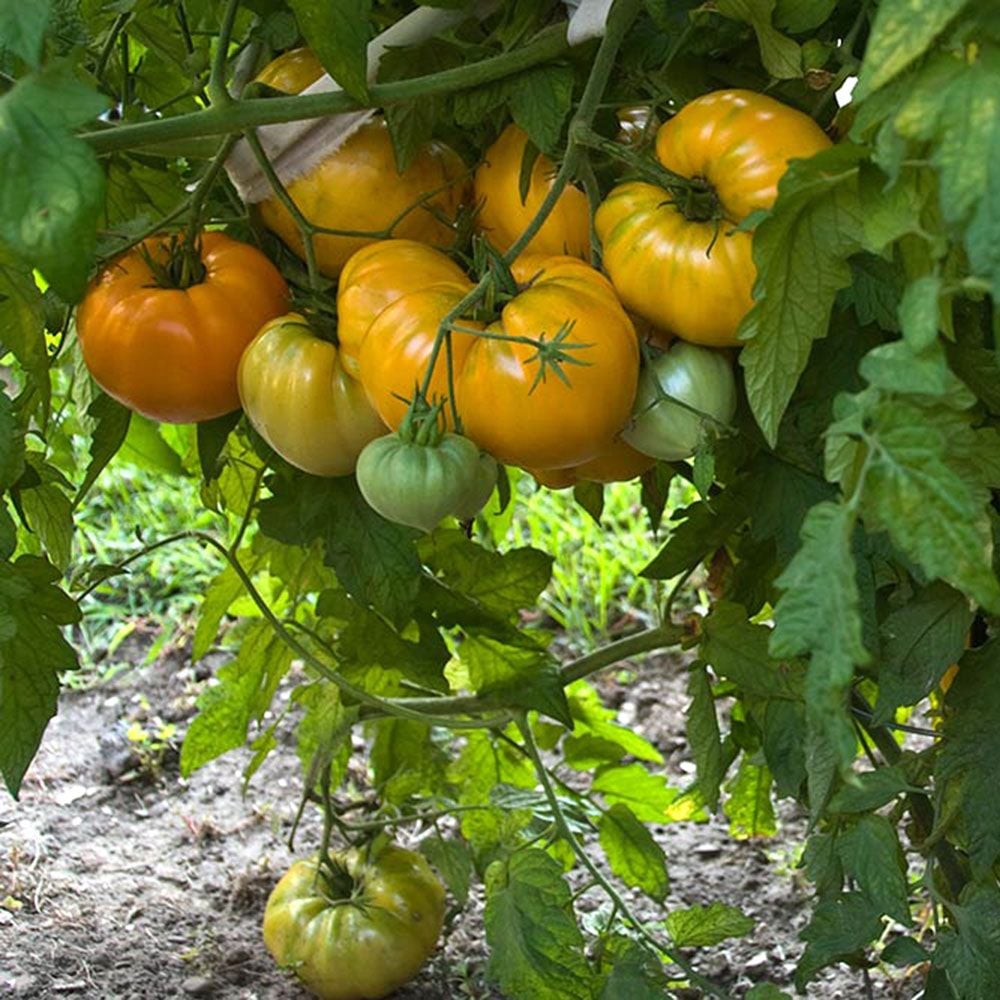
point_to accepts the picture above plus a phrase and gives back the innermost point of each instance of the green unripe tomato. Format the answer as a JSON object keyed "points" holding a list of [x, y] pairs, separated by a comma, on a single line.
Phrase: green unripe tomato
{"points": [[419, 484], [702, 380], [358, 927]]}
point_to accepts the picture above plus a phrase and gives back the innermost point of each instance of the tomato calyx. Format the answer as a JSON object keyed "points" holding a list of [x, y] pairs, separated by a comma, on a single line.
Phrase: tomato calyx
{"points": [[422, 424], [177, 262], [552, 354]]}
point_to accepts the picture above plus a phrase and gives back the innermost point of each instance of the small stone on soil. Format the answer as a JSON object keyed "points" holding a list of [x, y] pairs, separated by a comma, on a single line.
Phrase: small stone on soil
{"points": [[197, 986]]}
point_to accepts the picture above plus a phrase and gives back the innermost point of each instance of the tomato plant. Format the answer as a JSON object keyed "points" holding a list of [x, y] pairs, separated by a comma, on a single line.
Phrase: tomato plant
{"points": [[171, 353], [356, 924], [803, 194]]}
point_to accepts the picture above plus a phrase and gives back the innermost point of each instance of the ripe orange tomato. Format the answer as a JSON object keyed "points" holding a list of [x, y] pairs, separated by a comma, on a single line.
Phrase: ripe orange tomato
{"points": [[171, 354], [503, 216]]}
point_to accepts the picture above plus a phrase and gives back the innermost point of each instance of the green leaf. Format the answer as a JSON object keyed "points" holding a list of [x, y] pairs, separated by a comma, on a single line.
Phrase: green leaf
{"points": [[781, 56], [839, 927], [54, 186], [971, 957], [903, 952], [822, 864], [705, 526], [453, 861], [749, 806], [647, 795], [952, 105], [918, 312], [590, 496], [632, 853], [901, 32], [737, 649], [870, 790], [22, 320], [112, 420], [801, 253], [33, 653], [636, 974], [144, 446], [798, 16], [766, 991], [871, 854], [22, 28], [819, 615], [373, 558], [593, 719], [49, 513], [212, 436], [503, 584], [536, 948], [703, 737], [11, 444], [784, 745], [338, 32], [965, 770], [323, 735], [920, 640], [244, 693], [540, 100], [222, 591], [918, 492], [706, 926], [782, 496], [896, 367]]}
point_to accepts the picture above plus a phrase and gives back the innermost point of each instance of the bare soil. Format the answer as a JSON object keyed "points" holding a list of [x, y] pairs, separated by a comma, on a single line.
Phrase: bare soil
{"points": [[118, 879]]}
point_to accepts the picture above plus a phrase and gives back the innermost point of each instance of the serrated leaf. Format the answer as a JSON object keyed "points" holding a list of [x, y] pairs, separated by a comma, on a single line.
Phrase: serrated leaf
{"points": [[901, 32], [897, 367], [636, 974], [705, 527], [112, 423], [221, 593], [705, 926], [338, 32], [839, 927], [952, 103], [971, 957], [22, 320], [965, 770], [453, 861], [918, 311], [819, 615], [374, 559], [870, 790], [323, 735], [781, 56], [784, 742], [33, 653], [593, 719], [920, 641], [871, 854], [246, 687], [22, 28], [903, 952], [54, 186], [737, 649], [801, 253], [703, 737], [632, 853], [536, 948], [802, 15], [540, 100], [11, 444], [49, 513], [647, 795], [934, 514], [748, 804]]}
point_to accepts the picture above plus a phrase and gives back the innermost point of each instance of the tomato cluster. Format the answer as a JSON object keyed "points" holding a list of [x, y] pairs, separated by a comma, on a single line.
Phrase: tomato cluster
{"points": [[428, 381]]}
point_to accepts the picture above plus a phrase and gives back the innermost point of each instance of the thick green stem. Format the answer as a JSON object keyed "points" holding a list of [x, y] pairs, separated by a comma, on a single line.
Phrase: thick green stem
{"points": [[238, 116], [217, 92]]}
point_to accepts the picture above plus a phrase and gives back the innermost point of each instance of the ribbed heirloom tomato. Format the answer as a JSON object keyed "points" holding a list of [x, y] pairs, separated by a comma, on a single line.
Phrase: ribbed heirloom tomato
{"points": [[297, 395], [172, 354], [358, 188], [548, 407], [619, 464], [680, 264], [356, 928], [503, 216]]}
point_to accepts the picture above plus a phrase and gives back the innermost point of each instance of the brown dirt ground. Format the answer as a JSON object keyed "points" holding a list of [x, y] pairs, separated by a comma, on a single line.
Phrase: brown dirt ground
{"points": [[119, 885]]}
